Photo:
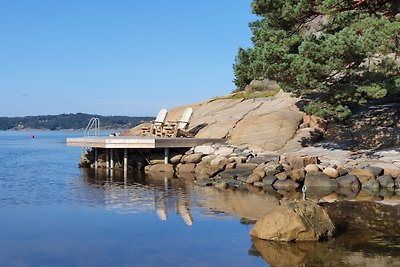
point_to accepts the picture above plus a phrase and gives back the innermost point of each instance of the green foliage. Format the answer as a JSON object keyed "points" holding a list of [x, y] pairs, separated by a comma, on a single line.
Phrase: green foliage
{"points": [[68, 121], [324, 109], [347, 51]]}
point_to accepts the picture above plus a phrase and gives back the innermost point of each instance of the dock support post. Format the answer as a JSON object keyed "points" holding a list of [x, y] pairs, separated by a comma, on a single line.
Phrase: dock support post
{"points": [[166, 155], [107, 159], [125, 160], [96, 158], [111, 159]]}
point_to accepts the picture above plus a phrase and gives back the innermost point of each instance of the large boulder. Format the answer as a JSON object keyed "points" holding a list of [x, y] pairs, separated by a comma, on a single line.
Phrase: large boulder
{"points": [[294, 221]]}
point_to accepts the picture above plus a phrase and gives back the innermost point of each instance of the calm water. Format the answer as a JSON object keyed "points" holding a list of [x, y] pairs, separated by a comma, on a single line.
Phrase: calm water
{"points": [[55, 214]]}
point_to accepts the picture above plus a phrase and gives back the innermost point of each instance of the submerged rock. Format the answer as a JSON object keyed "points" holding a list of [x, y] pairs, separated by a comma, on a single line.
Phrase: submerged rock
{"points": [[295, 221]]}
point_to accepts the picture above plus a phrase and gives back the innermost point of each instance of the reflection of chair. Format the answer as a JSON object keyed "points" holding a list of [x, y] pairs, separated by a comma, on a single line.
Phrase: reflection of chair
{"points": [[155, 128], [179, 128]]}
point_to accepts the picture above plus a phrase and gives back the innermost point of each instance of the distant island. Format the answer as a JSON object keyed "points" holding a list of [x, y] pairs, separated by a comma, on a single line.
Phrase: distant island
{"points": [[68, 122]]}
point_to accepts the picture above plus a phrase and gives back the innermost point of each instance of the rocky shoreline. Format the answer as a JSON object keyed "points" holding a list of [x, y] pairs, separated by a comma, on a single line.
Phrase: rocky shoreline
{"points": [[227, 166]]}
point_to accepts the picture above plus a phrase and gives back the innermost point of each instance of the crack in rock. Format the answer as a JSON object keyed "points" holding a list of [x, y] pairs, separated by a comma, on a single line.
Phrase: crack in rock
{"points": [[242, 118]]}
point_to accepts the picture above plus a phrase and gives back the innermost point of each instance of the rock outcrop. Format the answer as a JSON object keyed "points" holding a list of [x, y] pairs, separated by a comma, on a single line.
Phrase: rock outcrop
{"points": [[295, 221], [261, 123]]}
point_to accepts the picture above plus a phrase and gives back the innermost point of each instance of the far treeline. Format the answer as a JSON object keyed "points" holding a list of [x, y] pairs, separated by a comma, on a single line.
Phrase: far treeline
{"points": [[337, 54], [68, 121]]}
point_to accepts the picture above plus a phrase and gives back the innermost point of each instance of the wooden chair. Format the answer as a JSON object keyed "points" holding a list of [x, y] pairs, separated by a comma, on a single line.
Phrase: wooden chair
{"points": [[155, 127], [174, 128]]}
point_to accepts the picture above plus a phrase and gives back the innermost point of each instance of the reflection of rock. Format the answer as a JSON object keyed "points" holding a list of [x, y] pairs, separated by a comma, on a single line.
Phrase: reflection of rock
{"points": [[242, 204], [356, 215], [284, 254], [295, 221]]}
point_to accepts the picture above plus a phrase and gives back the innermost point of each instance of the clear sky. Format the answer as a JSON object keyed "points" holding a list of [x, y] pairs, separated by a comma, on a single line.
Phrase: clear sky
{"points": [[125, 57]]}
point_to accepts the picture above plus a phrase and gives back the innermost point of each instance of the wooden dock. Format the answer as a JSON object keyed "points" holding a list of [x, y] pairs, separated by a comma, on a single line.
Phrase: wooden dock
{"points": [[111, 143], [139, 142]]}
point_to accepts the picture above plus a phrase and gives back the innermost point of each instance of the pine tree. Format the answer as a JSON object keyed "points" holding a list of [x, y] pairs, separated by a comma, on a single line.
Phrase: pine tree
{"points": [[345, 51]]}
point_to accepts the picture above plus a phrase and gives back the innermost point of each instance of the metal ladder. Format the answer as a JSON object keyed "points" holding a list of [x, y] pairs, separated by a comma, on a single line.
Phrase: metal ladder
{"points": [[93, 126]]}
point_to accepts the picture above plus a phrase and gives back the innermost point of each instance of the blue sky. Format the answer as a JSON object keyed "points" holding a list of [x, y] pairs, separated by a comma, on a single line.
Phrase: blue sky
{"points": [[125, 57]]}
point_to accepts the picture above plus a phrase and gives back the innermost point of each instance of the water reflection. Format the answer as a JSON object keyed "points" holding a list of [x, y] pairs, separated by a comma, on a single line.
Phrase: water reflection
{"points": [[355, 249], [369, 230], [141, 194]]}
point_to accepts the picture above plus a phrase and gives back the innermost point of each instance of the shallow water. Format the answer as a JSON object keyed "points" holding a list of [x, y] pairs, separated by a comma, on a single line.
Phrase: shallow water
{"points": [[55, 214]]}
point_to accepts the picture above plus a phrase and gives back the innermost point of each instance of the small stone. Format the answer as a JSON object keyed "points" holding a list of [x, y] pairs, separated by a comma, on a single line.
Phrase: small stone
{"points": [[389, 169], [363, 175], [204, 149], [331, 172], [297, 175], [230, 165], [269, 180], [193, 158], [273, 168], [218, 160], [175, 159], [371, 184], [260, 172], [223, 151], [254, 177], [239, 160], [347, 180], [377, 171], [221, 186], [385, 181], [312, 168], [342, 171], [397, 183], [189, 167], [281, 176], [208, 158]]}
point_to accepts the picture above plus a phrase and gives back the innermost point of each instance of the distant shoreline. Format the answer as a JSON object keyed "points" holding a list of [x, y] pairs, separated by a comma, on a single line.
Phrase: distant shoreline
{"points": [[68, 122]]}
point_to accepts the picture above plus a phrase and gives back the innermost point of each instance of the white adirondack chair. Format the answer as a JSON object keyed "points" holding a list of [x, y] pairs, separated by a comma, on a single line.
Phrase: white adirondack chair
{"points": [[155, 128], [172, 129]]}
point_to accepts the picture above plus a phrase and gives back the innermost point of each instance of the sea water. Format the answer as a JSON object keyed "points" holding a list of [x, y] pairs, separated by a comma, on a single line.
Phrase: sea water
{"points": [[53, 213]]}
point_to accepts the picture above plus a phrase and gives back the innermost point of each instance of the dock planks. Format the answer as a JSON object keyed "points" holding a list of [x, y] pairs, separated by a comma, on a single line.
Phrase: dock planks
{"points": [[139, 142]]}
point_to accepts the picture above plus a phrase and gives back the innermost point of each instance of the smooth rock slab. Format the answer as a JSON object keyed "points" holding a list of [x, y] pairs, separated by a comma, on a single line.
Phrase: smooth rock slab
{"points": [[295, 221]]}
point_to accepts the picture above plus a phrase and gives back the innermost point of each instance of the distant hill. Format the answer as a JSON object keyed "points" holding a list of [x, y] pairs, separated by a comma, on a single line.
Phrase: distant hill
{"points": [[68, 121]]}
